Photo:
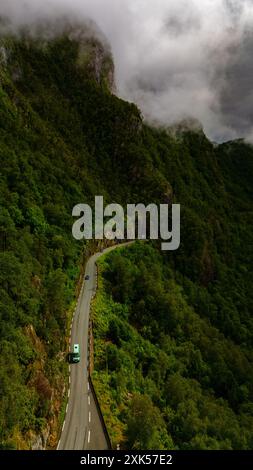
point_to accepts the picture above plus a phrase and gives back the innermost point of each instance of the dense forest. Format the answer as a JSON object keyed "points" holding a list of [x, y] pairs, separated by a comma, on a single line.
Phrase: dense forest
{"points": [[176, 328], [168, 375]]}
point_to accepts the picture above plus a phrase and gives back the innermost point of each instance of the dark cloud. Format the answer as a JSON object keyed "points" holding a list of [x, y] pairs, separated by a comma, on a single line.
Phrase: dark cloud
{"points": [[235, 7], [236, 92], [182, 20], [176, 59]]}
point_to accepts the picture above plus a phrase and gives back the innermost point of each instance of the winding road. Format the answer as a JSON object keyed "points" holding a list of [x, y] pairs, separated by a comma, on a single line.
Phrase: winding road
{"points": [[82, 428]]}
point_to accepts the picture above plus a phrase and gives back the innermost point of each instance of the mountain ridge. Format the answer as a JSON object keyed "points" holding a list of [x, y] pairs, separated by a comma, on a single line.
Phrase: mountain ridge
{"points": [[64, 138]]}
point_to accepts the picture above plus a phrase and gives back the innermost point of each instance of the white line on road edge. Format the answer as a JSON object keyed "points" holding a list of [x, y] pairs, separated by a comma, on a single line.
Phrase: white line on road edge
{"points": [[89, 416], [72, 321], [58, 446]]}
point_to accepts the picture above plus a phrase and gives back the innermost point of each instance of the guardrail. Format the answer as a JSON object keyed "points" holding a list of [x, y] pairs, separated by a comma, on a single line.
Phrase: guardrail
{"points": [[107, 437], [91, 363], [90, 370]]}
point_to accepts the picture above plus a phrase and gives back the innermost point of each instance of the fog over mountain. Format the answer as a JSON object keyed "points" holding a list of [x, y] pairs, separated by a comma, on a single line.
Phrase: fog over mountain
{"points": [[176, 59]]}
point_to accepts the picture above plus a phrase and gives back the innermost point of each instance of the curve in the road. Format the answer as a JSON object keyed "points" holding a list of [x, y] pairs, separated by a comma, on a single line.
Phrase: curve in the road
{"points": [[82, 428]]}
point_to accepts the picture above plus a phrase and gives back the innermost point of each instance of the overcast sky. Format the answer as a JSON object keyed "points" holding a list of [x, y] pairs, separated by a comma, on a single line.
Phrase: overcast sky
{"points": [[174, 58]]}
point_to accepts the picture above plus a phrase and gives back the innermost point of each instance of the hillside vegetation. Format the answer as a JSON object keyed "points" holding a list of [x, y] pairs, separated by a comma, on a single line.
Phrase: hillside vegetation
{"points": [[64, 138], [167, 375]]}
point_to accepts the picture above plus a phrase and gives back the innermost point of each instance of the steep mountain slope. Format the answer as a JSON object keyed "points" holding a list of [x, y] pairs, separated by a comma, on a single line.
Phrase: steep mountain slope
{"points": [[64, 138], [166, 376]]}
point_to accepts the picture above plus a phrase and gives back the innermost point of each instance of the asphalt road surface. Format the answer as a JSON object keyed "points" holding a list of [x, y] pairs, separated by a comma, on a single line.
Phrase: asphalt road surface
{"points": [[82, 428]]}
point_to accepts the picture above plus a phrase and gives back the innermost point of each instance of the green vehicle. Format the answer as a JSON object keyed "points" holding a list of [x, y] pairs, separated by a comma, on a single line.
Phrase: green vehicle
{"points": [[74, 357]]}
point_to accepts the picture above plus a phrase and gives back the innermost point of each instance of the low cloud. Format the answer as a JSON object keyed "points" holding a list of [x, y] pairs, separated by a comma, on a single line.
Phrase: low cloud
{"points": [[175, 58]]}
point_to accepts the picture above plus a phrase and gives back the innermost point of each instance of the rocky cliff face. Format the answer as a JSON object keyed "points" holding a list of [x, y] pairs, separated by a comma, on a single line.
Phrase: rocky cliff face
{"points": [[93, 55], [97, 61], [64, 138]]}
